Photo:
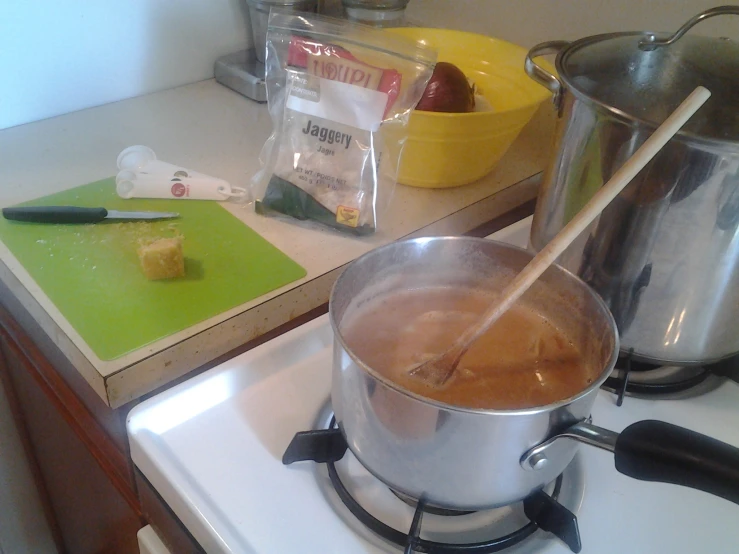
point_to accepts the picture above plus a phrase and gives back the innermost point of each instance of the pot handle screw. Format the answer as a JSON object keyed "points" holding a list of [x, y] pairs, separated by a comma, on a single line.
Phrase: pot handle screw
{"points": [[538, 461]]}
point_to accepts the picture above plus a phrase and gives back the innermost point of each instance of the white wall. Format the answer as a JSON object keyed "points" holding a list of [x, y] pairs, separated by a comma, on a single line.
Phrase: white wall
{"points": [[59, 56], [527, 22], [23, 528]]}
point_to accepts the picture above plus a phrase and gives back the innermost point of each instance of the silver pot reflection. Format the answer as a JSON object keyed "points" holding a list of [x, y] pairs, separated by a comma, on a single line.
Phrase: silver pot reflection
{"points": [[665, 254]]}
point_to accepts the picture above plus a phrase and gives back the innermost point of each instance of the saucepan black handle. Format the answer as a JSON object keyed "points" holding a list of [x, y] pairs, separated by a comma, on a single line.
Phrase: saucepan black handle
{"points": [[658, 451], [55, 214]]}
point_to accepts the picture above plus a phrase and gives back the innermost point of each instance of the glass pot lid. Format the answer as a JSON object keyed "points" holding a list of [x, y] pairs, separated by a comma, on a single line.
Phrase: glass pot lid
{"points": [[624, 73]]}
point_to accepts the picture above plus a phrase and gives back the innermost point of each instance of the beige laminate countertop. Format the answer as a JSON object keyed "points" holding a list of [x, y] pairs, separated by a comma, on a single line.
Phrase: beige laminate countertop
{"points": [[211, 129]]}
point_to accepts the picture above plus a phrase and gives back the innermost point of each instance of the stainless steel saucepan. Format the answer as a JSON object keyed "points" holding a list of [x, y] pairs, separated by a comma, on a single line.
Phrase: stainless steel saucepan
{"points": [[476, 459]]}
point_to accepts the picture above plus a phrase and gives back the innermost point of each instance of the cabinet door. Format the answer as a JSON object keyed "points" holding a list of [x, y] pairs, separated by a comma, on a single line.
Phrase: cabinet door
{"points": [[95, 509], [25, 525]]}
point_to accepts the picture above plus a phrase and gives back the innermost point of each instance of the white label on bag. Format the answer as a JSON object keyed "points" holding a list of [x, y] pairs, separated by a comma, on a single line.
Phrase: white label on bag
{"points": [[352, 105]]}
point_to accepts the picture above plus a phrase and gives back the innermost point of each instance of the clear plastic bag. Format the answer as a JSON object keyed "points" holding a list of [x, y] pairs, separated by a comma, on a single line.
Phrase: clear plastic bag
{"points": [[340, 96]]}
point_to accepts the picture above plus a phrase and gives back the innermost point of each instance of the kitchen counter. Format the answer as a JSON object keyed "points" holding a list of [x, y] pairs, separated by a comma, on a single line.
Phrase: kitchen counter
{"points": [[209, 128]]}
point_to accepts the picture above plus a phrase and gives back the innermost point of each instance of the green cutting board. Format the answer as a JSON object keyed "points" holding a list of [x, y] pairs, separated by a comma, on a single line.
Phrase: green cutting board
{"points": [[92, 273]]}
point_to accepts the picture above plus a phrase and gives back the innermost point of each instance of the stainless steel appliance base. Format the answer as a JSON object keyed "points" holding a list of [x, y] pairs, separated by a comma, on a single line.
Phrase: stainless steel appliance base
{"points": [[242, 72]]}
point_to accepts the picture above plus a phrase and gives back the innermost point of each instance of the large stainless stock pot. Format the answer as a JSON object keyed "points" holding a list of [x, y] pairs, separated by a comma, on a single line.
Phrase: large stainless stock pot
{"points": [[665, 254]]}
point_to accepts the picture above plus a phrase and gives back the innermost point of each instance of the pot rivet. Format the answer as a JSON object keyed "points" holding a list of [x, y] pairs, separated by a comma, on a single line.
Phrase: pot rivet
{"points": [[538, 461]]}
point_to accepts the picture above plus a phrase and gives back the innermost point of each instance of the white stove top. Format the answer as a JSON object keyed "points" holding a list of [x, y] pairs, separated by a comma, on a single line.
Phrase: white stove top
{"points": [[212, 447]]}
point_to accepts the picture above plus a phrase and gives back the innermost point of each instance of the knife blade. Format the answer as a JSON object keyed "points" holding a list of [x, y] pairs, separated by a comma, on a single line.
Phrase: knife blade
{"points": [[74, 214]]}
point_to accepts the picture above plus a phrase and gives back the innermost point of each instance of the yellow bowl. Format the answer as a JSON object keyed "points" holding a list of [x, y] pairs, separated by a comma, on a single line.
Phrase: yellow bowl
{"points": [[445, 150]]}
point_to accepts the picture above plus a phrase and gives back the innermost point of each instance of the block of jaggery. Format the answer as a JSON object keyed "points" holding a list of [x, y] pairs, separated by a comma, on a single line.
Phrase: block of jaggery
{"points": [[162, 259]]}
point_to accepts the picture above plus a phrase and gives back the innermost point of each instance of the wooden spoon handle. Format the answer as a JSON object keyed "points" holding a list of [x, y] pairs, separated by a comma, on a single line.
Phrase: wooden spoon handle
{"points": [[592, 209]]}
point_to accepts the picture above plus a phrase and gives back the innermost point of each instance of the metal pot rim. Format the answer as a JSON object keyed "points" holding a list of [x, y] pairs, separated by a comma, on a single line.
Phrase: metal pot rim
{"points": [[617, 112], [481, 411]]}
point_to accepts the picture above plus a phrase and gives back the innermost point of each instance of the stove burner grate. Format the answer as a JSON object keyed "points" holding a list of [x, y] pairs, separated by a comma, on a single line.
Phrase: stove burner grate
{"points": [[544, 512], [430, 508], [623, 384]]}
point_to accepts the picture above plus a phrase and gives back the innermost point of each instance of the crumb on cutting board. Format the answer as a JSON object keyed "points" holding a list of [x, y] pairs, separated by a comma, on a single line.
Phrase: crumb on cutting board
{"points": [[162, 258]]}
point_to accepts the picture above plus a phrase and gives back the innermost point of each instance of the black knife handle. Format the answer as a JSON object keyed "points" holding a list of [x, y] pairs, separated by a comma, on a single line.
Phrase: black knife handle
{"points": [[55, 214]]}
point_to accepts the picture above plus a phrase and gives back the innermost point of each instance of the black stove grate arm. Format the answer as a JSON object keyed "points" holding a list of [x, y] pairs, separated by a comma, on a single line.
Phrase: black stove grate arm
{"points": [[415, 532], [321, 446], [551, 516], [625, 385]]}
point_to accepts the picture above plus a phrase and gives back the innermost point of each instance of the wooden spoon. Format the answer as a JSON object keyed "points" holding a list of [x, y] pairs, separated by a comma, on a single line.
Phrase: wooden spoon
{"points": [[439, 369]]}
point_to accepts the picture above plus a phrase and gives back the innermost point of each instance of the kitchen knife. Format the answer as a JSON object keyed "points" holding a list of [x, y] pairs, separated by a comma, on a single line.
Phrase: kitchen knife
{"points": [[73, 214]]}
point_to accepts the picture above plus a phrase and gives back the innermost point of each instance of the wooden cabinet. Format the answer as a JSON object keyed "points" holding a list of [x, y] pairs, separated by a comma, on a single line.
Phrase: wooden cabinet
{"points": [[84, 477]]}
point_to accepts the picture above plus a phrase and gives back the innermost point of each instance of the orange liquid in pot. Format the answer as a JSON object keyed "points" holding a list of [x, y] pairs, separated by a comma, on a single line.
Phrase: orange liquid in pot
{"points": [[522, 361]]}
